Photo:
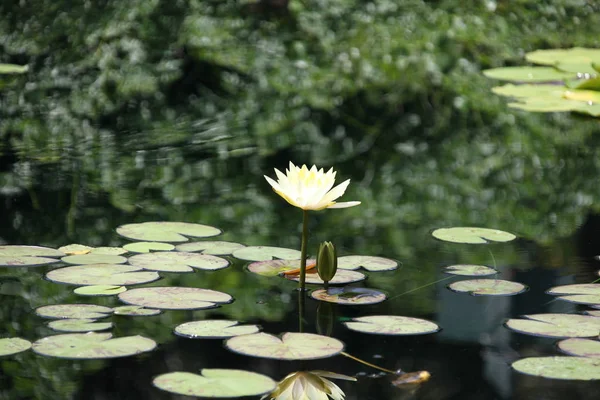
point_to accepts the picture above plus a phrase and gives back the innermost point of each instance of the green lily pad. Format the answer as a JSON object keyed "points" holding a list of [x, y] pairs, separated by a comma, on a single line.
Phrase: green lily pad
{"points": [[589, 84], [560, 367], [99, 290], [528, 74], [215, 248], [147, 247], [580, 347], [593, 313], [556, 325], [586, 293], [488, 287], [177, 261], [215, 383], [75, 249], [92, 346], [13, 69], [9, 346], [74, 311], [275, 267], [291, 346], [581, 69], [341, 277], [557, 105], [472, 235], [470, 270], [79, 325], [166, 231], [113, 251], [530, 91], [85, 259], [369, 263], [175, 298], [575, 55], [27, 256], [263, 253], [102, 274], [218, 329], [349, 296], [135, 311], [392, 325]]}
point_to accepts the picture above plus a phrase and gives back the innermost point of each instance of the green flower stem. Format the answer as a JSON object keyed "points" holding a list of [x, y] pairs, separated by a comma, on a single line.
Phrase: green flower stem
{"points": [[301, 312], [302, 281]]}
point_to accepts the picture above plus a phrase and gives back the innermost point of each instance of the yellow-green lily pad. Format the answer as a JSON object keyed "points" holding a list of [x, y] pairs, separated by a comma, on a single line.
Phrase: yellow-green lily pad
{"points": [[580, 347], [528, 74], [349, 296], [74, 311], [75, 249], [370, 263], [219, 329], [85, 259], [175, 298], [114, 251], [178, 261], [575, 55], [147, 247], [470, 270], [488, 287], [392, 325], [79, 325], [92, 345], [560, 367], [9, 346], [99, 290], [13, 69], [264, 253], [583, 70], [291, 346], [27, 256], [341, 277], [275, 267], [215, 383], [102, 274], [215, 248], [135, 311], [169, 232], [556, 325], [585, 293], [472, 235]]}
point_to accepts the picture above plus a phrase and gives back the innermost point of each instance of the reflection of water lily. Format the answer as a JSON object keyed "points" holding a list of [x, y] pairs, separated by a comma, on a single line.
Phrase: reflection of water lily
{"points": [[310, 189], [305, 385]]}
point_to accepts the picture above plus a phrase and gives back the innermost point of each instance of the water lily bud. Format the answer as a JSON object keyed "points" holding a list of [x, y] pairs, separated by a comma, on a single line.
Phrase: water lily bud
{"points": [[327, 261]]}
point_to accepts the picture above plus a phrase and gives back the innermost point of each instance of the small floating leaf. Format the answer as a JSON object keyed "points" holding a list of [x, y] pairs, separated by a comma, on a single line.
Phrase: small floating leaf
{"points": [[342, 276], [585, 293], [215, 383], [86, 259], [175, 298], [488, 287], [177, 261], [147, 247], [166, 231], [556, 325], [135, 311], [114, 251], [392, 325], [369, 263], [580, 347], [215, 248], [349, 295], [560, 367], [73, 311], [528, 74], [275, 267], [579, 55], [75, 249], [214, 329], [92, 346], [27, 256], [79, 325], [470, 270], [291, 346], [472, 235], [10, 346], [13, 69], [102, 274], [100, 290], [263, 253]]}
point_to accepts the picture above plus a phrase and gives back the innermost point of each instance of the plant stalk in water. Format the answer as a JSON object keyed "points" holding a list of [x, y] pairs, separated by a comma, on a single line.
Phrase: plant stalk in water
{"points": [[302, 280]]}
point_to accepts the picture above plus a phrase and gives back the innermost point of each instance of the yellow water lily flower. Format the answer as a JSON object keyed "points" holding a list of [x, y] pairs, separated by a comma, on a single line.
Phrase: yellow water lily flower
{"points": [[308, 385], [310, 189]]}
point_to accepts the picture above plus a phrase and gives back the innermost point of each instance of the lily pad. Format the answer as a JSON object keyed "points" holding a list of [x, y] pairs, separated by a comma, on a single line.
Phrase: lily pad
{"points": [[263, 253], [102, 274], [218, 329], [10, 346], [349, 296], [560, 367], [177, 261], [27, 256], [580, 55], [392, 325], [175, 298], [13, 69], [92, 346], [215, 383], [75, 249], [470, 270], [593, 313], [580, 347], [79, 325], [528, 74], [215, 248], [86, 259], [291, 346], [135, 311], [275, 267], [488, 287], [370, 263], [472, 235], [581, 69], [74, 311], [585, 293], [99, 290], [114, 251], [147, 247], [166, 231], [341, 277], [556, 325]]}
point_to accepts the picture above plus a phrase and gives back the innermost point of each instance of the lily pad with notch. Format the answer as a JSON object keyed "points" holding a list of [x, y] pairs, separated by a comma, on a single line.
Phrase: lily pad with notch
{"points": [[580, 347], [488, 287], [135, 311], [214, 329], [147, 247], [276, 267], [102, 274], [9, 346], [341, 277], [291, 346], [472, 235], [99, 290], [349, 295], [215, 248], [175, 298], [178, 261], [79, 325], [469, 270], [170, 232], [74, 311], [560, 367], [264, 253], [86, 259], [215, 383], [92, 345], [370, 263], [556, 325], [584, 293], [27, 256], [392, 325], [75, 249]]}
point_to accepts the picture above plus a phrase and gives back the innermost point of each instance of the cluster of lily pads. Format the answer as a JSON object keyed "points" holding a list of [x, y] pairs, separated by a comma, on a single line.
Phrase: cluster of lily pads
{"points": [[562, 80]]}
